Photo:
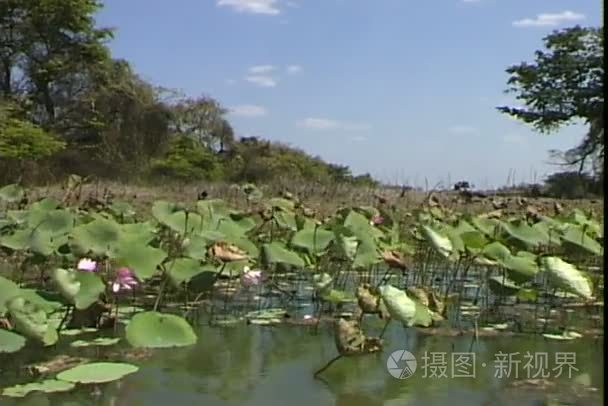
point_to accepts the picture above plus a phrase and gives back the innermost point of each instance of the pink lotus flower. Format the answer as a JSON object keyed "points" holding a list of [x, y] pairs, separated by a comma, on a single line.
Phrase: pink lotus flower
{"points": [[377, 220], [250, 277], [87, 265], [124, 280]]}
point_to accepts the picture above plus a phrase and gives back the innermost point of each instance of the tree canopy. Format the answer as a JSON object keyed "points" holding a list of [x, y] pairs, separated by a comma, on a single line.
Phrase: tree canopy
{"points": [[67, 106], [563, 84]]}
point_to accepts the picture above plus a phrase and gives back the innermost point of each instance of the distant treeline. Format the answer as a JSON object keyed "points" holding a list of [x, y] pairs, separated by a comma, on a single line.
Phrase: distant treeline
{"points": [[66, 106]]}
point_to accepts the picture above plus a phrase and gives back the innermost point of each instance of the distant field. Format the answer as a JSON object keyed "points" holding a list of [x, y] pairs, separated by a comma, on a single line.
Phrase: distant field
{"points": [[324, 199]]}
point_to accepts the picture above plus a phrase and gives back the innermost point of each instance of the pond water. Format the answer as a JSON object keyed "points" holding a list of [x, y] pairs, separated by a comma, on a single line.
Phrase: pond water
{"points": [[260, 365]]}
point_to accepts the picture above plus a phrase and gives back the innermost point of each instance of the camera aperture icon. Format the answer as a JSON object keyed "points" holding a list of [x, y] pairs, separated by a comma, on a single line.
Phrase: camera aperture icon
{"points": [[401, 364]]}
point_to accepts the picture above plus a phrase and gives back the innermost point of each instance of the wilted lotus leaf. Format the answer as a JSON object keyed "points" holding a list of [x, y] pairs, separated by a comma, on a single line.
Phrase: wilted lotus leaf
{"points": [[420, 294], [366, 300], [56, 364], [494, 214], [349, 338], [370, 303], [227, 252], [436, 305], [395, 259], [308, 212]]}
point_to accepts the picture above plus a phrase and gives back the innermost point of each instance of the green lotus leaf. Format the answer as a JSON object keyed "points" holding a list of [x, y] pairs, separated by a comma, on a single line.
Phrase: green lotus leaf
{"points": [[367, 254], [278, 253], [565, 276], [496, 251], [399, 305], [11, 193], [67, 283], [474, 240], [521, 267], [55, 222], [99, 342], [213, 208], [99, 236], [503, 286], [170, 215], [10, 342], [31, 321], [485, 225], [31, 239], [8, 290], [122, 209], [159, 330], [575, 235], [97, 372], [46, 386], [142, 259], [524, 233], [34, 296], [441, 243], [91, 287], [314, 241], [45, 204], [286, 220], [184, 269]]}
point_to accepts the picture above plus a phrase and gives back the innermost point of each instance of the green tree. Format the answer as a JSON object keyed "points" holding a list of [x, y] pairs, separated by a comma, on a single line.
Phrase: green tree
{"points": [[22, 142], [200, 118], [563, 84]]}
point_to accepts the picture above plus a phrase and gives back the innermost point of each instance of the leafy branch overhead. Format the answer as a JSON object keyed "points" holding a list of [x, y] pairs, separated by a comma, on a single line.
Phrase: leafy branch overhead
{"points": [[564, 84]]}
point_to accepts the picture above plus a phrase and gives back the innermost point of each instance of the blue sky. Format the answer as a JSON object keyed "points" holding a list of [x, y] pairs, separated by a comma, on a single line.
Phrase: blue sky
{"points": [[405, 90]]}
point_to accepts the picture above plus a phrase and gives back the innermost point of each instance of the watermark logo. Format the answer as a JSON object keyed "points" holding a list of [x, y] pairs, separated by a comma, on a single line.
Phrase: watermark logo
{"points": [[401, 364]]}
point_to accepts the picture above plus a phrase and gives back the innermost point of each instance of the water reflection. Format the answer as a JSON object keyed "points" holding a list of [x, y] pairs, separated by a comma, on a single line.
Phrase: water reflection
{"points": [[252, 365]]}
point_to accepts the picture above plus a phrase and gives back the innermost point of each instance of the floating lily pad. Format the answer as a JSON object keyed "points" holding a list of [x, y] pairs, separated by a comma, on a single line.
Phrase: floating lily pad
{"points": [[100, 341], [10, 342], [77, 331], [46, 386], [97, 372], [159, 330]]}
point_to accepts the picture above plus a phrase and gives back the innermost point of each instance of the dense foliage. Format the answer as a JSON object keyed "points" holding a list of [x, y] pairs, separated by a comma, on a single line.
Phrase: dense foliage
{"points": [[74, 268]]}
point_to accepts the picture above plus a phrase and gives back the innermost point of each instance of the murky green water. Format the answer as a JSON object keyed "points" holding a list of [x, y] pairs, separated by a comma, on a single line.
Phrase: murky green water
{"points": [[254, 365]]}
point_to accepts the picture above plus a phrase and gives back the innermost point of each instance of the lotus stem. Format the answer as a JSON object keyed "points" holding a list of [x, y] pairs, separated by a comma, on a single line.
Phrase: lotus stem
{"points": [[322, 369]]}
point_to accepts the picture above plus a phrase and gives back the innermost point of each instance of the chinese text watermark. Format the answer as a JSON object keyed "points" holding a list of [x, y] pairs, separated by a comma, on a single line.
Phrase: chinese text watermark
{"points": [[519, 365]]}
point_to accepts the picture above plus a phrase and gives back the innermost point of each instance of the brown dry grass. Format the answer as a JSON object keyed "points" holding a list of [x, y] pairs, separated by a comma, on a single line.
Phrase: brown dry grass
{"points": [[324, 199]]}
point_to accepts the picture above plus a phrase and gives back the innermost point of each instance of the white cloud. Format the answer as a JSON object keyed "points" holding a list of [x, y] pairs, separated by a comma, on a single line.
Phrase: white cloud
{"points": [[248, 110], [471, 1], [514, 139], [261, 81], [294, 69], [262, 69], [463, 130], [322, 124], [359, 138], [230, 82], [268, 7], [549, 19]]}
